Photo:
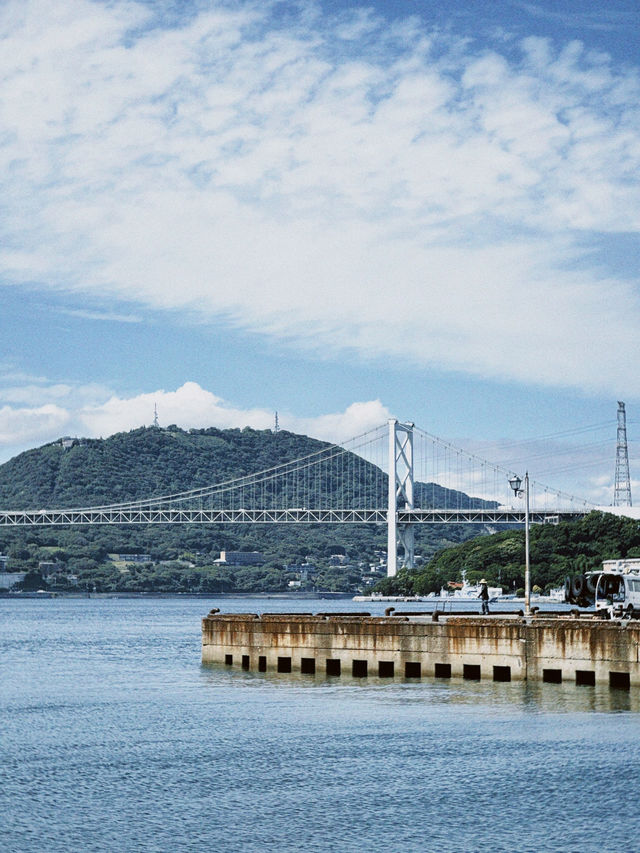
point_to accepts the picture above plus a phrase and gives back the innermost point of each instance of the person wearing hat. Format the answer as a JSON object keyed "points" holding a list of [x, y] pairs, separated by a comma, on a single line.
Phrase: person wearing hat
{"points": [[484, 596]]}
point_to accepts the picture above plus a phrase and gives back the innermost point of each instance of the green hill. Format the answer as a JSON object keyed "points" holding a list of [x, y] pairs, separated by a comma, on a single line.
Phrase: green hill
{"points": [[141, 463], [151, 462], [555, 552]]}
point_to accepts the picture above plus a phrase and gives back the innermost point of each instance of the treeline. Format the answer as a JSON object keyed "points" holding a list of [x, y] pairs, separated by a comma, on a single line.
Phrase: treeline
{"points": [[556, 551], [178, 577]]}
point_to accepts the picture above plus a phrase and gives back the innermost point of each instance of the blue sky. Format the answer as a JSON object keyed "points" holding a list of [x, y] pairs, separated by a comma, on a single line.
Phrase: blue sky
{"points": [[341, 211]]}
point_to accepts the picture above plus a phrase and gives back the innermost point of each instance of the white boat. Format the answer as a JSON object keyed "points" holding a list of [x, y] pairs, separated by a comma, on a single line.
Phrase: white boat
{"points": [[466, 593], [375, 596], [469, 592]]}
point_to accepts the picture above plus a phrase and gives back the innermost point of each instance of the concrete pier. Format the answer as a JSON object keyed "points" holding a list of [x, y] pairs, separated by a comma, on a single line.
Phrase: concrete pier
{"points": [[553, 649]]}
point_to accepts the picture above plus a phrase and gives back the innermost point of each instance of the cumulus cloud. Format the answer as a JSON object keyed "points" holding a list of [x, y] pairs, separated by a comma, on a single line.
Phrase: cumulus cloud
{"points": [[92, 412], [337, 183], [191, 406]]}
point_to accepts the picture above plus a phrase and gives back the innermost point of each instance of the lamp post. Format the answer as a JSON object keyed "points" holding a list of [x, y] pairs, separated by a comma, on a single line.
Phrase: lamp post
{"points": [[515, 482]]}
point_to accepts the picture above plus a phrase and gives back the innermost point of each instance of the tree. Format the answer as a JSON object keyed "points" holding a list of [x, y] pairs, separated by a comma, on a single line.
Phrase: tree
{"points": [[32, 582]]}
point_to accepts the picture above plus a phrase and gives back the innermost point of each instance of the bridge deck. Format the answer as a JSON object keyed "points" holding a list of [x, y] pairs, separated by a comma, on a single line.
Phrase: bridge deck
{"points": [[160, 515]]}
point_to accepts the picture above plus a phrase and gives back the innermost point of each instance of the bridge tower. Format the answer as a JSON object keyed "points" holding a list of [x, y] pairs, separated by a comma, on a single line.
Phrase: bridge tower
{"points": [[400, 495], [622, 490]]}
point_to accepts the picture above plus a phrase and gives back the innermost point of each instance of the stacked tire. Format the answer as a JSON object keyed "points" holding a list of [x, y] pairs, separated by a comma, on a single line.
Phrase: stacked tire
{"points": [[579, 589]]}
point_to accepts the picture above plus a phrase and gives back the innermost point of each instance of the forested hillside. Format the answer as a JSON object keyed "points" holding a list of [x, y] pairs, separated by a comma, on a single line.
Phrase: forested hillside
{"points": [[141, 463], [555, 552], [151, 461]]}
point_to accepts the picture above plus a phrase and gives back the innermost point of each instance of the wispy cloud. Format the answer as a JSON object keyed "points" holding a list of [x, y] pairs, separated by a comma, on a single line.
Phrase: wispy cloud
{"points": [[101, 316], [23, 388], [338, 183], [606, 17]]}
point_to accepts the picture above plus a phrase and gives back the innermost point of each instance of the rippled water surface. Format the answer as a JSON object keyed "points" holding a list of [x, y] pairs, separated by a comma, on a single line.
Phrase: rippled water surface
{"points": [[115, 738]]}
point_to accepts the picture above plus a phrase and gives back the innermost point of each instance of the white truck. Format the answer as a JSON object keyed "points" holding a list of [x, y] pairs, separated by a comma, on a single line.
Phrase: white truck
{"points": [[614, 590]]}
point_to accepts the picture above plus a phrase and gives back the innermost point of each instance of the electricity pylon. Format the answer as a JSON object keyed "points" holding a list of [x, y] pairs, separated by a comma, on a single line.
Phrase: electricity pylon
{"points": [[622, 491]]}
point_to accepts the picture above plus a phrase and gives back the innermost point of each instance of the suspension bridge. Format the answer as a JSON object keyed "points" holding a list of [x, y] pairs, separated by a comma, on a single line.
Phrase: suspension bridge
{"points": [[395, 475]]}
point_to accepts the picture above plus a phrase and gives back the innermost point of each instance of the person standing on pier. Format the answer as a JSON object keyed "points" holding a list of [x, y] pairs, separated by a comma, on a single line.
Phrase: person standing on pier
{"points": [[484, 596]]}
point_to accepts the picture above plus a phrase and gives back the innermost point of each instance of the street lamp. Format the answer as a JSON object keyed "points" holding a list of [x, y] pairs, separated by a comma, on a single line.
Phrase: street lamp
{"points": [[515, 482]]}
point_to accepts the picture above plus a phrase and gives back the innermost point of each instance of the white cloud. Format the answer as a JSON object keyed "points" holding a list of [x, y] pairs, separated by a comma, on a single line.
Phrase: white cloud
{"points": [[191, 406], [357, 419], [107, 316], [93, 412], [29, 425], [580, 465], [35, 391], [336, 184]]}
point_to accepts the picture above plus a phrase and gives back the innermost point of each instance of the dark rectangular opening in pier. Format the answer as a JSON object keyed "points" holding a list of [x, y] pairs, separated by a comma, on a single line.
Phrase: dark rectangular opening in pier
{"points": [[228, 659], [262, 663], [245, 661], [359, 669], [333, 666], [308, 666], [585, 676], [502, 673], [443, 670], [620, 680], [552, 676], [386, 669], [412, 669], [471, 671], [284, 664]]}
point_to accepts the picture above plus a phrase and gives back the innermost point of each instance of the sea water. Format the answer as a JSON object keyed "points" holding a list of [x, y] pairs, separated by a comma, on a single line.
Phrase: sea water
{"points": [[114, 737]]}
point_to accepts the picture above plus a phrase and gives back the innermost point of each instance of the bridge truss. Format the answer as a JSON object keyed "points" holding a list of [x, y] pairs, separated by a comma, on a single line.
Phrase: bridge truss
{"points": [[71, 517]]}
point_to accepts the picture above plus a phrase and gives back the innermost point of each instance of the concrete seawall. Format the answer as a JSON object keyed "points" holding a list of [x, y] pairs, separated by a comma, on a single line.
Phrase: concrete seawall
{"points": [[581, 650]]}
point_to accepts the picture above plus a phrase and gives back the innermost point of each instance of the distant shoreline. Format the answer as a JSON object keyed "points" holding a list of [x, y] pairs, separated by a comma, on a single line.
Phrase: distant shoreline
{"points": [[300, 596]]}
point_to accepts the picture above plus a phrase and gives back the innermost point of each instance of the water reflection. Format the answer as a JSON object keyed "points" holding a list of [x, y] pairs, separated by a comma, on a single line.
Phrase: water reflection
{"points": [[526, 697]]}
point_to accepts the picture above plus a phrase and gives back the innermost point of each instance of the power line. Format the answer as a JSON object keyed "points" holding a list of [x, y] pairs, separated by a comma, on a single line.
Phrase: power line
{"points": [[560, 434]]}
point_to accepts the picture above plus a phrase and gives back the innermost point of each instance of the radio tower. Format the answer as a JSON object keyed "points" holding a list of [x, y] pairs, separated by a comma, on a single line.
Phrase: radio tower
{"points": [[622, 491]]}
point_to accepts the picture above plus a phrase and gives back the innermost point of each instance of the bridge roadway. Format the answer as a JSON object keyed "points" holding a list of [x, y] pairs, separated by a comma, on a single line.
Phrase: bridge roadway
{"points": [[172, 515]]}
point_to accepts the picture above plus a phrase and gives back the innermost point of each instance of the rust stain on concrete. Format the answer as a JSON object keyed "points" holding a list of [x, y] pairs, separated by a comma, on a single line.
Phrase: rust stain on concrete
{"points": [[526, 647]]}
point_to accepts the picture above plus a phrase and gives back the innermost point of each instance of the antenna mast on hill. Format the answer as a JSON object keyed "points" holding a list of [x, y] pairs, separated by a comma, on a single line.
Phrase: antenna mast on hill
{"points": [[155, 416], [622, 491], [276, 425]]}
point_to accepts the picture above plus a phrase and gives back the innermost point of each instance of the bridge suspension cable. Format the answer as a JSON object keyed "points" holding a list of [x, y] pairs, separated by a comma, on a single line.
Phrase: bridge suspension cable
{"points": [[453, 478], [349, 482]]}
